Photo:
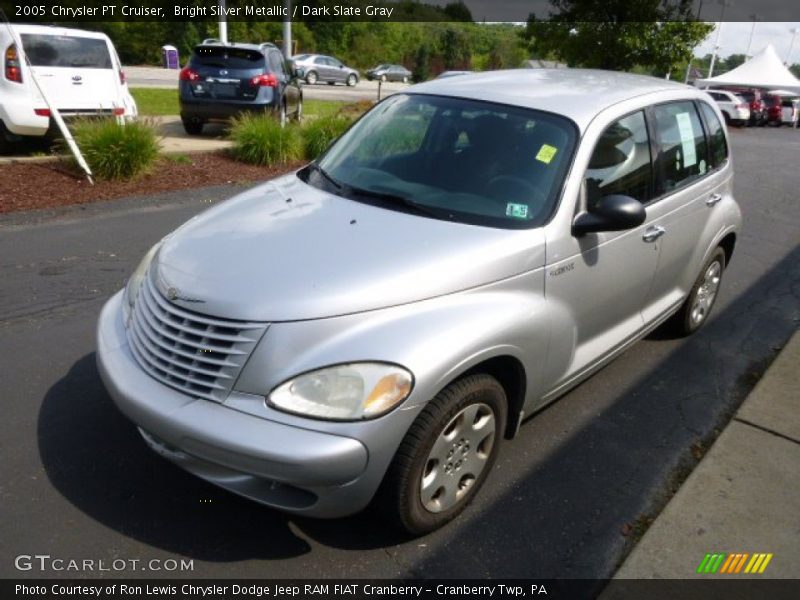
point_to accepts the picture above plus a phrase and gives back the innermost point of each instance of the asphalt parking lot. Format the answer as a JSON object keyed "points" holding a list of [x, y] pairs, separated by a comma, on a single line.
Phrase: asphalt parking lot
{"points": [[79, 483]]}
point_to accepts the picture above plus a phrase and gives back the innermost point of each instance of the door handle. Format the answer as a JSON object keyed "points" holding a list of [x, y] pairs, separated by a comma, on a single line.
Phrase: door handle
{"points": [[713, 199], [651, 234]]}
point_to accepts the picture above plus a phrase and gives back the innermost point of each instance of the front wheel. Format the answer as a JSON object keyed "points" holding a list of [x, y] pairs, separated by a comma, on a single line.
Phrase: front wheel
{"points": [[446, 455], [695, 310], [352, 80]]}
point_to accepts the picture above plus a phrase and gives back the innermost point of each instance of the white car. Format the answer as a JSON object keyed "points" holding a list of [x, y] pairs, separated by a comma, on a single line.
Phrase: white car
{"points": [[734, 108], [79, 72], [790, 111]]}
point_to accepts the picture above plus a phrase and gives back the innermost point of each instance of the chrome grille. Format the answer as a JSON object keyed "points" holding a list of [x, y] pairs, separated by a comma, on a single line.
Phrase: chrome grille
{"points": [[198, 355]]}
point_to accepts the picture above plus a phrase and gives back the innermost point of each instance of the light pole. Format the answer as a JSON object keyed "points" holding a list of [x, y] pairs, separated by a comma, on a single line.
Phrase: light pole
{"points": [[287, 29], [725, 4], [754, 18], [223, 23], [794, 31]]}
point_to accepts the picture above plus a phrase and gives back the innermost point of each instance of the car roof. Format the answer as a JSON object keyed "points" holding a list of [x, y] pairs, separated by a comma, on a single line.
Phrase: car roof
{"points": [[21, 28], [579, 94]]}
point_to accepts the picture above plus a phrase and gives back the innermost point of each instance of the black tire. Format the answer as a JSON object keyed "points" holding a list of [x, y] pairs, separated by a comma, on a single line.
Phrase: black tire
{"points": [[312, 77], [298, 113], [352, 80], [399, 497], [685, 321], [727, 118], [192, 127], [405, 79]]}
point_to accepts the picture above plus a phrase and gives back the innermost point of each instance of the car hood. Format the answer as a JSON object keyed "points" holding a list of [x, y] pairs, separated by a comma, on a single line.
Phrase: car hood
{"points": [[286, 251]]}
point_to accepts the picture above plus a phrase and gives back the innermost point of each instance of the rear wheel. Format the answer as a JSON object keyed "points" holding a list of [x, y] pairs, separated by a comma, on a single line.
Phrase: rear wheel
{"points": [[695, 310], [311, 77], [446, 455], [193, 126]]}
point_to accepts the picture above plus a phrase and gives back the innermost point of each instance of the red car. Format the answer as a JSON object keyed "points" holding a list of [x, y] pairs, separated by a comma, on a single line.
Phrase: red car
{"points": [[773, 109]]}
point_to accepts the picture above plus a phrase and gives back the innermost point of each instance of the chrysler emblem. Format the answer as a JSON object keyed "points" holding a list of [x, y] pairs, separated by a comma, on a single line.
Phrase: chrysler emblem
{"points": [[172, 293]]}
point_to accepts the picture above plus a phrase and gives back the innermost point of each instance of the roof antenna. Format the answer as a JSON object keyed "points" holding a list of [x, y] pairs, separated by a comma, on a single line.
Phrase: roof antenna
{"points": [[23, 57]]}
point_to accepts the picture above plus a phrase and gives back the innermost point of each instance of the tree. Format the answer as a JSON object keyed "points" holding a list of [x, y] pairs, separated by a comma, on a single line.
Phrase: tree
{"points": [[618, 34], [422, 63], [458, 11]]}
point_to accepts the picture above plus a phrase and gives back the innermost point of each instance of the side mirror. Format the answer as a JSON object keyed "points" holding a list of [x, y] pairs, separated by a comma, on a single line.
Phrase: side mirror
{"points": [[299, 72], [610, 213]]}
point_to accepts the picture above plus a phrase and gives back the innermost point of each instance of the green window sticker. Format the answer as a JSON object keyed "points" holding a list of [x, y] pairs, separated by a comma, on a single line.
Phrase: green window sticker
{"points": [[518, 211], [546, 153]]}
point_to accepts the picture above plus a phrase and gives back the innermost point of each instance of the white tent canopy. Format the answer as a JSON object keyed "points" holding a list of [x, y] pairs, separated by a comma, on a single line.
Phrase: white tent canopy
{"points": [[764, 70]]}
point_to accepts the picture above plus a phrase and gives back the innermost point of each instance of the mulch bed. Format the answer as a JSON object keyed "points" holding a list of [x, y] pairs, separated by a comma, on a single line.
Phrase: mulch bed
{"points": [[30, 186]]}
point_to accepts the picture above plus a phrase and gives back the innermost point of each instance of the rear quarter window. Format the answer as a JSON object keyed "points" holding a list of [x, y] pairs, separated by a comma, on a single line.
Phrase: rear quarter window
{"points": [[718, 146], [66, 51]]}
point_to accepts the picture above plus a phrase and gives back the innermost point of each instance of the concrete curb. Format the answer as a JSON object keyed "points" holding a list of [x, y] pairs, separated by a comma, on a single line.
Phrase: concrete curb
{"points": [[742, 497]]}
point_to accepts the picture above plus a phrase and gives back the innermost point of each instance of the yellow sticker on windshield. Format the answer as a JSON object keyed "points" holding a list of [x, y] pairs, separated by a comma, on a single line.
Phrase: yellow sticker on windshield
{"points": [[546, 153]]}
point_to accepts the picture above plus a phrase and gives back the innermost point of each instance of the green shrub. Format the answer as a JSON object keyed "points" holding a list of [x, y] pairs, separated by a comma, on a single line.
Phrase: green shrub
{"points": [[320, 133], [260, 140], [115, 151]]}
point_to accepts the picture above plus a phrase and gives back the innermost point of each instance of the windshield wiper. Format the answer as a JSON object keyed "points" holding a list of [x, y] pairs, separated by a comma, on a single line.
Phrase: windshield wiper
{"points": [[402, 201], [314, 166]]}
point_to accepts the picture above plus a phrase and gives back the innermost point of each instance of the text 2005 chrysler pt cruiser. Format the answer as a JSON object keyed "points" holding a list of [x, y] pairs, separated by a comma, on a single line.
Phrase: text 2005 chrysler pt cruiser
{"points": [[373, 325]]}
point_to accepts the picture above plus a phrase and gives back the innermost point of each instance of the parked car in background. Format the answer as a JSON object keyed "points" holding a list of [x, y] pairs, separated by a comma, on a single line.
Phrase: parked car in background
{"points": [[735, 110], [389, 73], [374, 325], [790, 111], [78, 70], [774, 109], [326, 69], [754, 98], [223, 80]]}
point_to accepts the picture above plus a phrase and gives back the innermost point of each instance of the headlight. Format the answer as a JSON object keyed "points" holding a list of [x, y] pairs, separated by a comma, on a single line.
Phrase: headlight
{"points": [[345, 392], [135, 282]]}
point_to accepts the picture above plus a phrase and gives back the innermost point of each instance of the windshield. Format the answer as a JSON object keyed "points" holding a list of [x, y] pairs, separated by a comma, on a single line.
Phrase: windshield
{"points": [[451, 158]]}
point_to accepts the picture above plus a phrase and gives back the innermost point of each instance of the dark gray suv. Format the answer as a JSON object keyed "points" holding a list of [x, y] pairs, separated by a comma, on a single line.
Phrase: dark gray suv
{"points": [[223, 80]]}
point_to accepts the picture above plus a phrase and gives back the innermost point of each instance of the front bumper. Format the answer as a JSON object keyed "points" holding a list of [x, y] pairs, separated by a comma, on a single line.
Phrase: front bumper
{"points": [[291, 468]]}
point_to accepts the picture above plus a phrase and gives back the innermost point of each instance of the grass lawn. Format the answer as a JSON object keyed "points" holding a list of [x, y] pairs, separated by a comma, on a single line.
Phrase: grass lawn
{"points": [[158, 101]]}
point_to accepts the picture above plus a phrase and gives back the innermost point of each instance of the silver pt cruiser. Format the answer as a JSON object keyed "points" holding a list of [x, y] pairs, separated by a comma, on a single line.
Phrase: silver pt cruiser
{"points": [[373, 325]]}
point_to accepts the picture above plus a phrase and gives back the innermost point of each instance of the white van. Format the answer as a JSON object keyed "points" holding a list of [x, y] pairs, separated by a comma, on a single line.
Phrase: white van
{"points": [[79, 71]]}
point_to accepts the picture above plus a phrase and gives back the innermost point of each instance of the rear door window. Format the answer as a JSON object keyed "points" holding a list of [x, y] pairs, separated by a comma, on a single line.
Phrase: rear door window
{"points": [[66, 51], [682, 155]]}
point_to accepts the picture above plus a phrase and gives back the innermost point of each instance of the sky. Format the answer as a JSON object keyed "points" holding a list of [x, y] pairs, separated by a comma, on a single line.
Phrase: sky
{"points": [[734, 38]]}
